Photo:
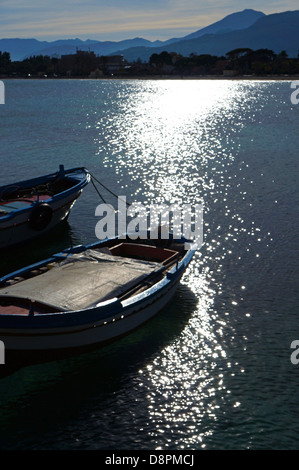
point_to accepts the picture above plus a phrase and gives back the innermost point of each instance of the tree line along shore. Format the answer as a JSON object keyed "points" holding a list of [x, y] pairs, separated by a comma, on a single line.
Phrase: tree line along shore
{"points": [[85, 64]]}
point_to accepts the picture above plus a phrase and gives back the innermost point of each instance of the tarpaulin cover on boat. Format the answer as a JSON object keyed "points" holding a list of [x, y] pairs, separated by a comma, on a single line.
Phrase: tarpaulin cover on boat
{"points": [[82, 280]]}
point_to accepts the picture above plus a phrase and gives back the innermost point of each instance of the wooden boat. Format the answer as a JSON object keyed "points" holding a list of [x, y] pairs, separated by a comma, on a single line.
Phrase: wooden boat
{"points": [[88, 295], [30, 208]]}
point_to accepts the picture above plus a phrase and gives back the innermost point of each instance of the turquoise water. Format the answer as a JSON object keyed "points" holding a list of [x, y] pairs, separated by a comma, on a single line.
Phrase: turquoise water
{"points": [[213, 369]]}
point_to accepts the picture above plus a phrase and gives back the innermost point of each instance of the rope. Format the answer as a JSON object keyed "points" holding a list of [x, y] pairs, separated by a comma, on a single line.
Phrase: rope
{"points": [[92, 182], [107, 189]]}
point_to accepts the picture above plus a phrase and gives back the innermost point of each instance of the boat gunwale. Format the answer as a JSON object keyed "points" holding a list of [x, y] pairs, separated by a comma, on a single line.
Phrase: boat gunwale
{"points": [[104, 310], [82, 182]]}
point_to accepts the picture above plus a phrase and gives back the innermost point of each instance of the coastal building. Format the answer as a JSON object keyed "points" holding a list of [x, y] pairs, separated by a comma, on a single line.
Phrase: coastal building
{"points": [[87, 63]]}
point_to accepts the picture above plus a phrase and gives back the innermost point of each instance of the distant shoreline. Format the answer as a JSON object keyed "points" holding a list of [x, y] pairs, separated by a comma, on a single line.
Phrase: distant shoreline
{"points": [[168, 77]]}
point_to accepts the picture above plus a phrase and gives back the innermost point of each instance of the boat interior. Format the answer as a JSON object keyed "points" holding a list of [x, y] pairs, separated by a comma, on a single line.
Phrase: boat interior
{"points": [[16, 197], [80, 280]]}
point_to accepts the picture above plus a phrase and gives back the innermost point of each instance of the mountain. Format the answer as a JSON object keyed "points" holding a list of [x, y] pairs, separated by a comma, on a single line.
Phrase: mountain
{"points": [[247, 28], [98, 47], [61, 45], [278, 32], [19, 49], [235, 21]]}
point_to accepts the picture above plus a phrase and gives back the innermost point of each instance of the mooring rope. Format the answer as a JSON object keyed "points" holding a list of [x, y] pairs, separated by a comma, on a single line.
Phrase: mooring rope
{"points": [[92, 182], [107, 189]]}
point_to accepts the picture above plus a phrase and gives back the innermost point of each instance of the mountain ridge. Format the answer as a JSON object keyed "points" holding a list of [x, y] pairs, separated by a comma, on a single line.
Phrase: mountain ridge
{"points": [[20, 49], [232, 22], [278, 31]]}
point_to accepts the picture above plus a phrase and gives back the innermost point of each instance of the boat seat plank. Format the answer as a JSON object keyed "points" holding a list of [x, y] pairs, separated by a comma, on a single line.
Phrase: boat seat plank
{"points": [[13, 206]]}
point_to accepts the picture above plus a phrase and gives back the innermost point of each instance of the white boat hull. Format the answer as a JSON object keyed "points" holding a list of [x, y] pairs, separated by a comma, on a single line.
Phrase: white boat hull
{"points": [[131, 317], [21, 231], [31, 208], [33, 335]]}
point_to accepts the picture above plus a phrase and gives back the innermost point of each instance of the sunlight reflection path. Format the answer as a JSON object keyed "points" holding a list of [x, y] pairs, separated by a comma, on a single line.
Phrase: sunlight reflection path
{"points": [[176, 142]]}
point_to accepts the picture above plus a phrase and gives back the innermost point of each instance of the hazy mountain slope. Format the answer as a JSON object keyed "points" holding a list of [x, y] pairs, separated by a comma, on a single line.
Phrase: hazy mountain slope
{"points": [[18, 48], [98, 47], [277, 32], [235, 21], [22, 48]]}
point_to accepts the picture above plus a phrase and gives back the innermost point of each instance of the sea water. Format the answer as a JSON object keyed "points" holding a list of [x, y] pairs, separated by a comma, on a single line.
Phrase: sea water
{"points": [[214, 369]]}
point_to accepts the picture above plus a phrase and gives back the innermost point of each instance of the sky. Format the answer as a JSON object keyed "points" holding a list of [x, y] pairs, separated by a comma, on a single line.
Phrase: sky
{"points": [[115, 20]]}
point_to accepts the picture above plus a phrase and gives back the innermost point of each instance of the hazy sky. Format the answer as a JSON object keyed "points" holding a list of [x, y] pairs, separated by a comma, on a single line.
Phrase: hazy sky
{"points": [[114, 20]]}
